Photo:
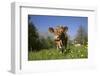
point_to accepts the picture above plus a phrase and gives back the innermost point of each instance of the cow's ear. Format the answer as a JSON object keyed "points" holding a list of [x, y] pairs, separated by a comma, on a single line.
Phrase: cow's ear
{"points": [[65, 29], [51, 30]]}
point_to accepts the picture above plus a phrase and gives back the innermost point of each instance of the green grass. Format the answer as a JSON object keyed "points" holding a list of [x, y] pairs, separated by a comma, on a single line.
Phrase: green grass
{"points": [[51, 54]]}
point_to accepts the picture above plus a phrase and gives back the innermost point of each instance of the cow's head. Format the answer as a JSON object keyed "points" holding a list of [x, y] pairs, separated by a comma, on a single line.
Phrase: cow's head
{"points": [[58, 33]]}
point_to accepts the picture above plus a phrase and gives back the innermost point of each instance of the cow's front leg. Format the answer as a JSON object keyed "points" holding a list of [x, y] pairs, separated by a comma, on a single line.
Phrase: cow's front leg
{"points": [[61, 46]]}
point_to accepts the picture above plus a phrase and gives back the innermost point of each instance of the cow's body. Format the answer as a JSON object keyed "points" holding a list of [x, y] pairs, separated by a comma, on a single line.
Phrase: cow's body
{"points": [[60, 37]]}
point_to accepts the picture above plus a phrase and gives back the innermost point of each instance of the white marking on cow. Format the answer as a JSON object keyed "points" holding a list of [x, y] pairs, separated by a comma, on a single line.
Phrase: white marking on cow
{"points": [[55, 37]]}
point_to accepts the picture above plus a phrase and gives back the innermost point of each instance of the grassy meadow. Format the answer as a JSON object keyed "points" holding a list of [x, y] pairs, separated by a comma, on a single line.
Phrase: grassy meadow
{"points": [[52, 54]]}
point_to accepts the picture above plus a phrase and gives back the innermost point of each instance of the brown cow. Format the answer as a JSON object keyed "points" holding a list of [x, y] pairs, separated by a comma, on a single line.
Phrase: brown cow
{"points": [[60, 36]]}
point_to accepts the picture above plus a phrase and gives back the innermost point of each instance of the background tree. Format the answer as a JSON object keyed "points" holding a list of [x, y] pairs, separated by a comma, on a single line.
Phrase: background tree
{"points": [[81, 36], [50, 42], [36, 42], [33, 36]]}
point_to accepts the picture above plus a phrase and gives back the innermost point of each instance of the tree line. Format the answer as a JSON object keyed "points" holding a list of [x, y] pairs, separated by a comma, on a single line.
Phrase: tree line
{"points": [[35, 42], [81, 36]]}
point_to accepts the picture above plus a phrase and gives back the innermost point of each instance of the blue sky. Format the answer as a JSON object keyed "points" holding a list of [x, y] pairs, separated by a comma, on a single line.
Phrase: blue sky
{"points": [[43, 22]]}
